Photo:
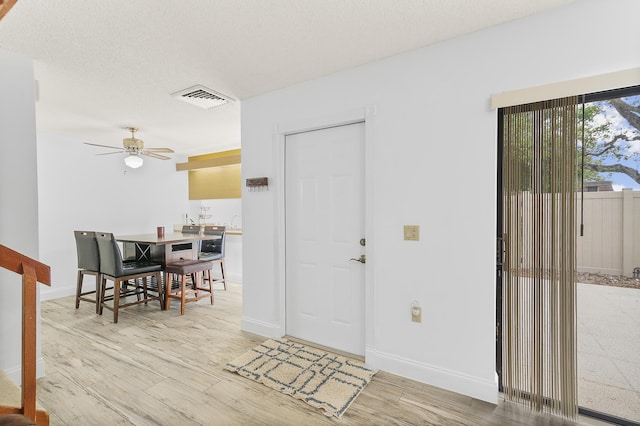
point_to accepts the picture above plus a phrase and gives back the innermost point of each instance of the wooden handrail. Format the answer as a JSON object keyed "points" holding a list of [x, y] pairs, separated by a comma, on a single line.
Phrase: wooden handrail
{"points": [[5, 6], [32, 272]]}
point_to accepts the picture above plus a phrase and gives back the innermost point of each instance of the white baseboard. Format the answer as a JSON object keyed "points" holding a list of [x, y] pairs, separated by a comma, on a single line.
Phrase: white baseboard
{"points": [[475, 387], [15, 373], [56, 293], [235, 278], [261, 328]]}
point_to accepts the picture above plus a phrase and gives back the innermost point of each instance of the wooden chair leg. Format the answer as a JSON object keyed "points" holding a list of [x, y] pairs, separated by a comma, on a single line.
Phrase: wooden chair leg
{"points": [[158, 276], [210, 284], [137, 286], [79, 287], [182, 294], [116, 300], [162, 291], [103, 287], [167, 292], [98, 292], [224, 280], [196, 283], [144, 288]]}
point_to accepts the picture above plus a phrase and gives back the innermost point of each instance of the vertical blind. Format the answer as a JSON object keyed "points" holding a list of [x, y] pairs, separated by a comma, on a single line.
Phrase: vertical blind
{"points": [[539, 175]]}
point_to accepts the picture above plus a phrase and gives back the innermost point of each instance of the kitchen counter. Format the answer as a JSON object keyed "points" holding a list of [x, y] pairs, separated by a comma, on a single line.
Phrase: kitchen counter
{"points": [[178, 228]]}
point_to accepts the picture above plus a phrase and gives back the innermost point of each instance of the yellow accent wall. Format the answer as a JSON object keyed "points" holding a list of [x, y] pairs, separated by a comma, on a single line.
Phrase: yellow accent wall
{"points": [[215, 182]]}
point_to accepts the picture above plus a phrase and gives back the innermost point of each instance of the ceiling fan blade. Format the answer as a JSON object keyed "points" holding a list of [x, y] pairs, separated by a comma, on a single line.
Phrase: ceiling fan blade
{"points": [[109, 153], [158, 156], [159, 150], [104, 146]]}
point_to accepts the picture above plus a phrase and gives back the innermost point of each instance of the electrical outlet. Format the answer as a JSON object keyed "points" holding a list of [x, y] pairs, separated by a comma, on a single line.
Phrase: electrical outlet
{"points": [[412, 232], [416, 314]]}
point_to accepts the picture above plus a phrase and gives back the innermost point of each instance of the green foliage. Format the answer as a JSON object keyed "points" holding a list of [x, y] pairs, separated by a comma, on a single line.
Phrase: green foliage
{"points": [[615, 132], [593, 133], [608, 131]]}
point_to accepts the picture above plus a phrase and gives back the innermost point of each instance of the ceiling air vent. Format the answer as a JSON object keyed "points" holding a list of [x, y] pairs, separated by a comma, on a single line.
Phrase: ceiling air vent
{"points": [[202, 97]]}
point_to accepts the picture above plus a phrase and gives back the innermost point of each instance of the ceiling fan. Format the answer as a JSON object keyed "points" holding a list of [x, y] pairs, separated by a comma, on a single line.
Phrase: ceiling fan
{"points": [[135, 147]]}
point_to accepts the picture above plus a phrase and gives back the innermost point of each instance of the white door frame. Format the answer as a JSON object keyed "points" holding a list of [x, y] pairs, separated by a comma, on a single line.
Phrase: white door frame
{"points": [[367, 115]]}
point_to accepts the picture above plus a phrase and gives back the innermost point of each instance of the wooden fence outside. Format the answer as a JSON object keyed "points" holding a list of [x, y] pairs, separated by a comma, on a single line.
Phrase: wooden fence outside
{"points": [[611, 241]]}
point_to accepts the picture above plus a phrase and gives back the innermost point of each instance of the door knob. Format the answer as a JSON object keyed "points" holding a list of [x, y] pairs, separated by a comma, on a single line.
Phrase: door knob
{"points": [[361, 259]]}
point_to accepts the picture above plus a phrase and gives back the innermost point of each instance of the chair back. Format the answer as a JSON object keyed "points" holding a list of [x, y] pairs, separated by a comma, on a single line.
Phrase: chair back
{"points": [[190, 229], [217, 245], [87, 248], [110, 255]]}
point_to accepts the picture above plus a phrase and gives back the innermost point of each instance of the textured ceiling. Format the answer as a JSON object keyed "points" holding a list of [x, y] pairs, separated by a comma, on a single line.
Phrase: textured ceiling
{"points": [[104, 65]]}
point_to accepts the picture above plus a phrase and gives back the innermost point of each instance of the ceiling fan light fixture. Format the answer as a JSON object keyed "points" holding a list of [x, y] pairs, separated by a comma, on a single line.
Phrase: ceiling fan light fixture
{"points": [[133, 161], [135, 148]]}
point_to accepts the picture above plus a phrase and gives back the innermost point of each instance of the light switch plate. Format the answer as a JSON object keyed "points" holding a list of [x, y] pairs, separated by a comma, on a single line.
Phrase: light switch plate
{"points": [[412, 232]]}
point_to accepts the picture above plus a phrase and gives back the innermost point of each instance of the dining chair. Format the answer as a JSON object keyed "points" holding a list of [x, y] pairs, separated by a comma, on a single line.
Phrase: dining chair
{"points": [[88, 264], [213, 250], [190, 229], [113, 268]]}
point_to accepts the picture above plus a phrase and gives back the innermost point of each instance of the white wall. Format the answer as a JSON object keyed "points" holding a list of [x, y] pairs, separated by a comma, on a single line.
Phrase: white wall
{"points": [[79, 190], [18, 199], [430, 134], [227, 212]]}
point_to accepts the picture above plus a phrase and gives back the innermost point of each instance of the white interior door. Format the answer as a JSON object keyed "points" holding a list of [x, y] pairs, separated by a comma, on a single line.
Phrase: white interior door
{"points": [[324, 225]]}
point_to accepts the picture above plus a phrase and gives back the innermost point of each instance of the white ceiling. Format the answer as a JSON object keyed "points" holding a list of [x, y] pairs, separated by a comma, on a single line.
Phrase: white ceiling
{"points": [[104, 65]]}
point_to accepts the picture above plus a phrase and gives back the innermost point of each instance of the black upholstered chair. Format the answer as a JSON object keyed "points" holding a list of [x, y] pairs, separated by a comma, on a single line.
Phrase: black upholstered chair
{"points": [[190, 229], [113, 268], [88, 264], [213, 250]]}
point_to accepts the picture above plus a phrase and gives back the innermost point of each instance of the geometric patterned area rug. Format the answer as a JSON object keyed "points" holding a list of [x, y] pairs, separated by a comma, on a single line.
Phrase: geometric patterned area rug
{"points": [[321, 379]]}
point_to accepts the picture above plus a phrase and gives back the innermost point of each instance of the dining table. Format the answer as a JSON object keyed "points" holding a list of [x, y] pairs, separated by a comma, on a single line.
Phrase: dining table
{"points": [[171, 247], [165, 249]]}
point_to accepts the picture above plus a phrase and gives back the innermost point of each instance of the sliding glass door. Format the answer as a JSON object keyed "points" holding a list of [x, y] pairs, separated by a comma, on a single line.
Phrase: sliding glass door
{"points": [[568, 250]]}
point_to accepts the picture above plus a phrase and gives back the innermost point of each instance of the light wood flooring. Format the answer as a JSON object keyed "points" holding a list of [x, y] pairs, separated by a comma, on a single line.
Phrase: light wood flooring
{"points": [[159, 368]]}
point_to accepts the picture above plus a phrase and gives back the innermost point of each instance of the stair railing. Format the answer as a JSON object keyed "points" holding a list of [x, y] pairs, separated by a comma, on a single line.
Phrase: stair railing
{"points": [[32, 272]]}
